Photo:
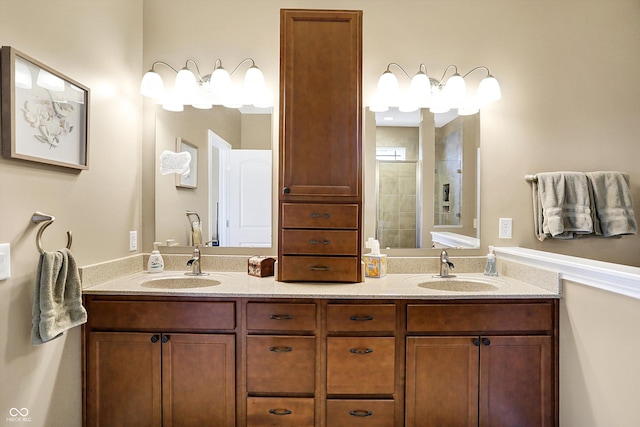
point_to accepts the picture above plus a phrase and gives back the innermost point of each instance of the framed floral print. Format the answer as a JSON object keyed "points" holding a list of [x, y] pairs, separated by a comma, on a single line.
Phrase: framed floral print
{"points": [[188, 179], [45, 114]]}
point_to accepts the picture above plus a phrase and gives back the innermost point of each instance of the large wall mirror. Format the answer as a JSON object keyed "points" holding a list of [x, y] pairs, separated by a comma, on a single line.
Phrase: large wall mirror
{"points": [[426, 179], [232, 197]]}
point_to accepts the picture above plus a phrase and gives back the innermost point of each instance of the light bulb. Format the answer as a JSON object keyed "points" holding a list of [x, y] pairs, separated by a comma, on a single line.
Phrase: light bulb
{"points": [[185, 86], [455, 91], [489, 90], [420, 90], [388, 88], [152, 85]]}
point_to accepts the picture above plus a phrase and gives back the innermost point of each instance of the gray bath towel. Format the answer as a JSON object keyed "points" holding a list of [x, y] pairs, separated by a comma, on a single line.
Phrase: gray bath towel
{"points": [[613, 204], [562, 205], [57, 301]]}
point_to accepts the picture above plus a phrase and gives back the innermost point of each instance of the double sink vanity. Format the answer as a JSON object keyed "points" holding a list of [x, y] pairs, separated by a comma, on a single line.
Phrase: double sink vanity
{"points": [[229, 349]]}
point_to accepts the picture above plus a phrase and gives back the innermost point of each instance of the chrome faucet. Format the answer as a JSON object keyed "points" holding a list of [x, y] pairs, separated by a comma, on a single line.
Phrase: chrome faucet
{"points": [[445, 264], [195, 264]]}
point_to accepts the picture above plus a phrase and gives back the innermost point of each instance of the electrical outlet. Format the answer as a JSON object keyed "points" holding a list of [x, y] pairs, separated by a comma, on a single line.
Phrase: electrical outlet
{"points": [[506, 228], [133, 241]]}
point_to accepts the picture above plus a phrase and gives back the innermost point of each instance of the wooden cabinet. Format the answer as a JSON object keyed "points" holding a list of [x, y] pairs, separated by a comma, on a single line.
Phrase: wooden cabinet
{"points": [[143, 372], [489, 379], [174, 361], [320, 145]]}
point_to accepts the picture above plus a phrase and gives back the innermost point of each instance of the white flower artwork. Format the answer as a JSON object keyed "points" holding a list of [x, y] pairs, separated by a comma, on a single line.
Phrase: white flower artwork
{"points": [[49, 117]]}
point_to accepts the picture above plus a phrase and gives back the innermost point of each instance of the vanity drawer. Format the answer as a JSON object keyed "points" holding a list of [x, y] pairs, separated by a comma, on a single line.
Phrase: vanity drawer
{"points": [[361, 317], [360, 365], [361, 412], [480, 318], [281, 364], [322, 242], [318, 215], [280, 411], [165, 316], [319, 269], [280, 317]]}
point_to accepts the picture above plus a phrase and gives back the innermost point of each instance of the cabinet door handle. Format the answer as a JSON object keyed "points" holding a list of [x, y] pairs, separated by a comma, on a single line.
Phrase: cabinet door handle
{"points": [[286, 190], [360, 413], [165, 338], [361, 350], [319, 242], [283, 349], [280, 317], [476, 342], [155, 338], [319, 215], [280, 411], [319, 268], [360, 318], [486, 341]]}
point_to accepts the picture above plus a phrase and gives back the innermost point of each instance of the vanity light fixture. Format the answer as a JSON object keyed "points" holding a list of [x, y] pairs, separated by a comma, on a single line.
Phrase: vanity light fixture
{"points": [[205, 91], [439, 96]]}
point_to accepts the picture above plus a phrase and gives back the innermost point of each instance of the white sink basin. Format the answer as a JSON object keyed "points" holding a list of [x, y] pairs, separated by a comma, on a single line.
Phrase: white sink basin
{"points": [[457, 284], [182, 281]]}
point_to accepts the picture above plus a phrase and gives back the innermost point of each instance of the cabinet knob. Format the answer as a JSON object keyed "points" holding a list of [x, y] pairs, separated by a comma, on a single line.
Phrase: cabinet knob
{"points": [[165, 338], [284, 349], [286, 190], [476, 342], [360, 413], [280, 411], [486, 341], [361, 350], [155, 338]]}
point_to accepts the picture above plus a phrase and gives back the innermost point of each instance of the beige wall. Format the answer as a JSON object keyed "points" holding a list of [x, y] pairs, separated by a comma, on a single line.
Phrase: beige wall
{"points": [[599, 349], [99, 44]]}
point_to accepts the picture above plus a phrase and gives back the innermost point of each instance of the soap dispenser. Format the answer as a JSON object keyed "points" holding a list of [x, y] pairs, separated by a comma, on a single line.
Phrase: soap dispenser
{"points": [[156, 263], [491, 269]]}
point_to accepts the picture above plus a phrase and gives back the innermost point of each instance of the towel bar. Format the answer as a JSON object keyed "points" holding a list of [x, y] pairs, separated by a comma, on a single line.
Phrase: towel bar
{"points": [[531, 178], [39, 217]]}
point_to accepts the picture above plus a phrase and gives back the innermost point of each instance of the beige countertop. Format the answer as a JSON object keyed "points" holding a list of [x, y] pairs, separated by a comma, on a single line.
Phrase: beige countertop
{"points": [[392, 286]]}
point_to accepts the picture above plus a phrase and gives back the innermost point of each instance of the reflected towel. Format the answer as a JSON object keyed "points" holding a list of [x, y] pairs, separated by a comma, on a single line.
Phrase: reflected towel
{"points": [[57, 301], [196, 233], [563, 205], [171, 162], [613, 205]]}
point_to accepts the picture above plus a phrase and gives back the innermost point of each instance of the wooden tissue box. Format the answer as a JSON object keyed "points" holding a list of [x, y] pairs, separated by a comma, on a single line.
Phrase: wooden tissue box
{"points": [[261, 266]]}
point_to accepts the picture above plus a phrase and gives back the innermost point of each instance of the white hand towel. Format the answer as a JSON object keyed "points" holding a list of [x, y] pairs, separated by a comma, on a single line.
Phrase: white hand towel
{"points": [[613, 204]]}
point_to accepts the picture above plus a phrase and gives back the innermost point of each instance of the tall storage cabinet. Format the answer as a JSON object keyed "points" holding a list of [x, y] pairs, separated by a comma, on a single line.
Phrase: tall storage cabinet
{"points": [[320, 183]]}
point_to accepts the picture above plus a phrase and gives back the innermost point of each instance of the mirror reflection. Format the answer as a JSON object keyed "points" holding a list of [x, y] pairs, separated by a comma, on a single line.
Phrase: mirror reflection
{"points": [[232, 197], [426, 180]]}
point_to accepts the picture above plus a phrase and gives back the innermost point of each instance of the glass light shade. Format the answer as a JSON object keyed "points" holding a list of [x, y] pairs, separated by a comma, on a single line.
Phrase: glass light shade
{"points": [[489, 90], [172, 103], [439, 104], [388, 88], [233, 98], [420, 90], [23, 76], [152, 85], [202, 100], [49, 81], [468, 109], [186, 86], [455, 91], [253, 80]]}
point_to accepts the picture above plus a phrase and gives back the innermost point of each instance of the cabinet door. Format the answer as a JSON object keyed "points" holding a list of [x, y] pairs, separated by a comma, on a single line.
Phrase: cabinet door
{"points": [[124, 379], [442, 381], [198, 380], [321, 97], [516, 381]]}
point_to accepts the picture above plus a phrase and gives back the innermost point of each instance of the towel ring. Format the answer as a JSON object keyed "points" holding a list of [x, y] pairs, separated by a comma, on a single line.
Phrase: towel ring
{"points": [[39, 217]]}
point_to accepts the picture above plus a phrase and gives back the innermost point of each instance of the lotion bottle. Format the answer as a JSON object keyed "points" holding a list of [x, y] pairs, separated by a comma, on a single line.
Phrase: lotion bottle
{"points": [[156, 263], [491, 269]]}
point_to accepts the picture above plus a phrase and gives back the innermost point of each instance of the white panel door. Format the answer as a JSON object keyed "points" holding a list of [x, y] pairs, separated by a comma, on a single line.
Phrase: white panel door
{"points": [[249, 222]]}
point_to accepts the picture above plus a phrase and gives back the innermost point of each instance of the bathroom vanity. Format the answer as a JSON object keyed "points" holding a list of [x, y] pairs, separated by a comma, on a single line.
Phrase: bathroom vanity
{"points": [[237, 350]]}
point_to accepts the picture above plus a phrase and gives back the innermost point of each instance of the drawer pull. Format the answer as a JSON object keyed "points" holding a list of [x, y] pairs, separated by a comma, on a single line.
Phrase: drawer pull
{"points": [[360, 413], [317, 215], [155, 338], [360, 318], [280, 411], [284, 349], [280, 317], [476, 342], [319, 242], [486, 341], [319, 268], [361, 350]]}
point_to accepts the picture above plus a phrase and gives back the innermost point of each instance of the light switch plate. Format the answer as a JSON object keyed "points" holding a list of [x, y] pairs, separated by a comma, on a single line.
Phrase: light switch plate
{"points": [[133, 241], [5, 261]]}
